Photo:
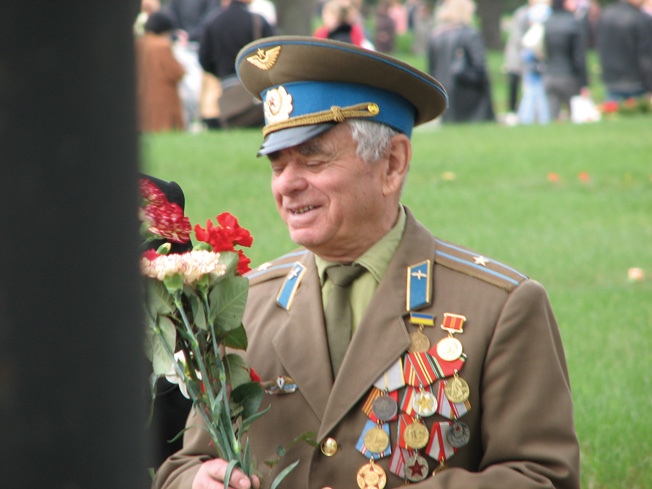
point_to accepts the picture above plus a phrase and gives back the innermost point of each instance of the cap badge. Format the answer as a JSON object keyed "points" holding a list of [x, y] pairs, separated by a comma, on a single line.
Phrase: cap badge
{"points": [[278, 105], [265, 59]]}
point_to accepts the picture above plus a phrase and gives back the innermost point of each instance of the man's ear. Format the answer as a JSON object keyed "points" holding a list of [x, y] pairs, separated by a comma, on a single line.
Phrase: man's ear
{"points": [[398, 163]]}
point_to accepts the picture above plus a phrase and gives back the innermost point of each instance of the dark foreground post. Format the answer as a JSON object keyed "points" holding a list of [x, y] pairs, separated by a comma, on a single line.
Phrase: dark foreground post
{"points": [[72, 405]]}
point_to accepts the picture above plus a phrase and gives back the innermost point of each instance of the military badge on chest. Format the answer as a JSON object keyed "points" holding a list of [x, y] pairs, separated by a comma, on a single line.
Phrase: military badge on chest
{"points": [[423, 383]]}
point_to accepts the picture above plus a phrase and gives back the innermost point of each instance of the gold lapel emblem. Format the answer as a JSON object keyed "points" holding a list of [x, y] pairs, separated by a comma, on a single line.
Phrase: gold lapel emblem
{"points": [[278, 105], [265, 60]]}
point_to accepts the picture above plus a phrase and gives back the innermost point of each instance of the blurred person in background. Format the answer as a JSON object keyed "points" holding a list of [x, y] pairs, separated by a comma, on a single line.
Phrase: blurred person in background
{"points": [[338, 23], [189, 15], [587, 13], [147, 8], [159, 74], [265, 8], [533, 107], [565, 73], [223, 35], [647, 7], [423, 23], [457, 58], [399, 13], [385, 38], [625, 48], [512, 61]]}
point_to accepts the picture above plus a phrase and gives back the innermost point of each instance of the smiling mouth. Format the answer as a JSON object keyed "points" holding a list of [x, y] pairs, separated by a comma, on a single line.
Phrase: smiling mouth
{"points": [[302, 210]]}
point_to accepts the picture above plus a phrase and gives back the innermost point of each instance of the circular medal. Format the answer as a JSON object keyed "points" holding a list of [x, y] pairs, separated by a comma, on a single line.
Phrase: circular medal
{"points": [[384, 407], [449, 348], [456, 389], [371, 476], [458, 434], [376, 440], [419, 342], [416, 435], [416, 468], [424, 403]]}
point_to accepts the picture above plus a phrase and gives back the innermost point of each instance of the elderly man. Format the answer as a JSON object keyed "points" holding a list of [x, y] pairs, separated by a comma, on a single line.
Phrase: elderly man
{"points": [[435, 365]]}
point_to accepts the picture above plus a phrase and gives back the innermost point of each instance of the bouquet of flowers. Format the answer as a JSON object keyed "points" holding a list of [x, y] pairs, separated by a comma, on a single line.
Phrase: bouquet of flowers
{"points": [[630, 106], [194, 307]]}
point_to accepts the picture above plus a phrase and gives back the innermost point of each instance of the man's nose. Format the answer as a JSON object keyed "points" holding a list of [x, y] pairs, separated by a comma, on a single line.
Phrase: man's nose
{"points": [[291, 179]]}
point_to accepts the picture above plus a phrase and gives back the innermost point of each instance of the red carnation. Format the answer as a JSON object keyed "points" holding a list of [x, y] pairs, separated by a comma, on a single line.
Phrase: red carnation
{"points": [[225, 236], [167, 220]]}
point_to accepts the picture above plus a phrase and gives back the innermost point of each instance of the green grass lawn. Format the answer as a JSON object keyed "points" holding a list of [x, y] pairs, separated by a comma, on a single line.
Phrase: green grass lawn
{"points": [[488, 187]]}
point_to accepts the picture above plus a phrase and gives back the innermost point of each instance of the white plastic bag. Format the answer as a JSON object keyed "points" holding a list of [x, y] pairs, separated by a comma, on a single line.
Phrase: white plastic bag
{"points": [[583, 109]]}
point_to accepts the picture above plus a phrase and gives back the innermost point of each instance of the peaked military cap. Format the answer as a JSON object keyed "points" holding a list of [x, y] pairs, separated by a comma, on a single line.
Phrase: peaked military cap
{"points": [[308, 85]]}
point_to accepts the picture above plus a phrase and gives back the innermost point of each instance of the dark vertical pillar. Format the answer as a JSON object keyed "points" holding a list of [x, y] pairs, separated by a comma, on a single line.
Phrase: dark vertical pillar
{"points": [[72, 408]]}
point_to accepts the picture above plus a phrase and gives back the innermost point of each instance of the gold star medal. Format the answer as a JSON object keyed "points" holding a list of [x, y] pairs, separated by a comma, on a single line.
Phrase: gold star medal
{"points": [[371, 476], [424, 403], [450, 348]]}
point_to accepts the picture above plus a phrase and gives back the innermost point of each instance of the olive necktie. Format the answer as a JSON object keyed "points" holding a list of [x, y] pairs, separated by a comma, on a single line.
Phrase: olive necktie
{"points": [[338, 313]]}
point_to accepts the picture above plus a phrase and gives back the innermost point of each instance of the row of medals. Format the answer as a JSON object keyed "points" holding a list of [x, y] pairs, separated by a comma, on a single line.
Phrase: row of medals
{"points": [[416, 435]]}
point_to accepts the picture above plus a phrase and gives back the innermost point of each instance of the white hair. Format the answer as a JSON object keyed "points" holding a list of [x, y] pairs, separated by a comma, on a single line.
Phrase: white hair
{"points": [[373, 139]]}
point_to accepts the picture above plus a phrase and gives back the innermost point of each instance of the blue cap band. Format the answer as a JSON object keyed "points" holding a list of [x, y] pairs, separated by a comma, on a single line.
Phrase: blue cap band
{"points": [[315, 97]]}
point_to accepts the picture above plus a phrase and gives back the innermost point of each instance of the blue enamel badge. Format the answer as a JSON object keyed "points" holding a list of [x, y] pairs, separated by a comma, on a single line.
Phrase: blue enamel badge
{"points": [[419, 286], [290, 285]]}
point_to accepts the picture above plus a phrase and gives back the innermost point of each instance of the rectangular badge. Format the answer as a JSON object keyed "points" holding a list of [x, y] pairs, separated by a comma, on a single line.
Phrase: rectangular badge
{"points": [[418, 286]]}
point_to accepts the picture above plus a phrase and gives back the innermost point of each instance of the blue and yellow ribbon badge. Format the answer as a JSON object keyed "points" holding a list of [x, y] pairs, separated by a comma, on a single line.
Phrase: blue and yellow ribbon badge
{"points": [[422, 319], [290, 285], [419, 286]]}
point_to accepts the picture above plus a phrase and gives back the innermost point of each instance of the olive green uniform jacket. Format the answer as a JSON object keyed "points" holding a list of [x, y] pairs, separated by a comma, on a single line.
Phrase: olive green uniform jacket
{"points": [[521, 416]]}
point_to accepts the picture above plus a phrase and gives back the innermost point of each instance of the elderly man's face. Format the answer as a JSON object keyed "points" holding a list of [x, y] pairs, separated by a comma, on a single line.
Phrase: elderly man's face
{"points": [[332, 202]]}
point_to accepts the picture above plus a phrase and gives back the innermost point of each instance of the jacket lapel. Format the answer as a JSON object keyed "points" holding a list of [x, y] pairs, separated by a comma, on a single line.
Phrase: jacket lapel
{"points": [[300, 342], [382, 324]]}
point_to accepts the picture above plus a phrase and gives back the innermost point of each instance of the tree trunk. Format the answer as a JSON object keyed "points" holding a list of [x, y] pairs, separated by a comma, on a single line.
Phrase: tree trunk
{"points": [[295, 16], [489, 12]]}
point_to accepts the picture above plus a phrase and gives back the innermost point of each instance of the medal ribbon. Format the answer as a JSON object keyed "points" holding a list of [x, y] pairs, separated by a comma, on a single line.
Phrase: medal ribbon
{"points": [[404, 421], [363, 449], [392, 379], [375, 393], [420, 369], [453, 322], [445, 407], [445, 368], [397, 462], [438, 446]]}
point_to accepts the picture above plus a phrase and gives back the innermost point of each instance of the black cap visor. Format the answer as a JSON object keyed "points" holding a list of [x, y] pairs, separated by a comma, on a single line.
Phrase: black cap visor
{"points": [[293, 136]]}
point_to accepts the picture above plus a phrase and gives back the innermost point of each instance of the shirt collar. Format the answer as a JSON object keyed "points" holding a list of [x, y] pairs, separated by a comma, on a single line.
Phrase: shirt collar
{"points": [[376, 259]]}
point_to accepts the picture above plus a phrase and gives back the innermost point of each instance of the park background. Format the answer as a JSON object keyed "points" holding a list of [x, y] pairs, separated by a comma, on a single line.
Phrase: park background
{"points": [[569, 205]]}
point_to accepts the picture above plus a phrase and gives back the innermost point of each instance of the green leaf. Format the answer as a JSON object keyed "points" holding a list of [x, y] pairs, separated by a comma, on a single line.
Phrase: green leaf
{"points": [[202, 246], [163, 331], [237, 370], [174, 283], [159, 299], [236, 339], [249, 396], [230, 259], [199, 318], [227, 300], [227, 475], [244, 427], [283, 474]]}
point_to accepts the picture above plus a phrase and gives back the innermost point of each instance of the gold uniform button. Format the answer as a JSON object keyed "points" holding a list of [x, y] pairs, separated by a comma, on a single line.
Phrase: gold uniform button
{"points": [[329, 447]]}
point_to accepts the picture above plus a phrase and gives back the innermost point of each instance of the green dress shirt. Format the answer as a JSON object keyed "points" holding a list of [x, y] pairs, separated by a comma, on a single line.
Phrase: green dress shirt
{"points": [[375, 261]]}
